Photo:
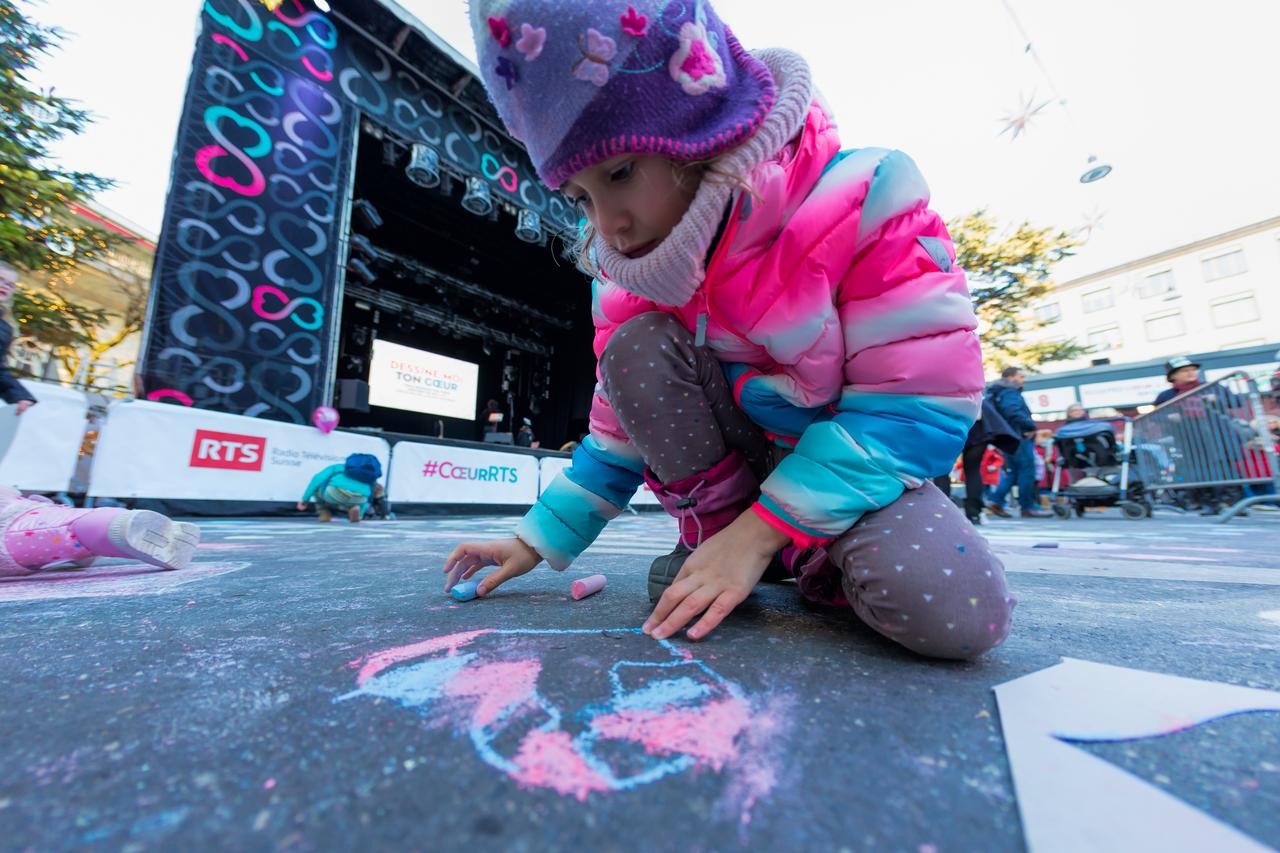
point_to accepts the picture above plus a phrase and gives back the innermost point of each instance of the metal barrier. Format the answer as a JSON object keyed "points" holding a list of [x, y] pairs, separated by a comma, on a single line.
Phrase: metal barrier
{"points": [[1213, 438]]}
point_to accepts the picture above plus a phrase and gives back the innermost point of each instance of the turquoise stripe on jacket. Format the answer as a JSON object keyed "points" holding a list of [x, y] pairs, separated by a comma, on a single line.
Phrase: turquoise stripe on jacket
{"points": [[832, 479]]}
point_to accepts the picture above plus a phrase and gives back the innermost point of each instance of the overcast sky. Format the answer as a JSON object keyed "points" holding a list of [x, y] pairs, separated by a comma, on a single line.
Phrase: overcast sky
{"points": [[1179, 98]]}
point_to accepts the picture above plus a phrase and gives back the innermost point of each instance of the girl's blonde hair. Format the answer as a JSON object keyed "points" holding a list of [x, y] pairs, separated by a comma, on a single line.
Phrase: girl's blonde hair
{"points": [[579, 251]]}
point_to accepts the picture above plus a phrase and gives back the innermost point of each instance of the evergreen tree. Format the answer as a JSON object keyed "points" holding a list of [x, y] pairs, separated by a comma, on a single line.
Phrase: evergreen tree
{"points": [[1007, 273], [38, 232]]}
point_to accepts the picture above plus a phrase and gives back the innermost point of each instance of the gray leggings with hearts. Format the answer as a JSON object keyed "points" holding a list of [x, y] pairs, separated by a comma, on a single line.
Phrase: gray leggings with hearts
{"points": [[916, 571]]}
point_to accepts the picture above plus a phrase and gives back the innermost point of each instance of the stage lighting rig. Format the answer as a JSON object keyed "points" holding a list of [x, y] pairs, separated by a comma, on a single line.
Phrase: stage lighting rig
{"points": [[390, 152], [359, 269], [424, 166], [478, 199], [363, 247], [529, 226], [366, 215]]}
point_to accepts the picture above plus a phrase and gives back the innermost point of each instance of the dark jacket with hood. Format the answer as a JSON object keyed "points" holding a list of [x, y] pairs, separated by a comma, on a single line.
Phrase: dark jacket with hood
{"points": [[1007, 398], [10, 388]]}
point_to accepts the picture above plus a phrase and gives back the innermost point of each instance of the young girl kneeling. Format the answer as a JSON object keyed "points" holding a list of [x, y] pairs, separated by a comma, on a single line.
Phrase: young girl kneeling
{"points": [[786, 349]]}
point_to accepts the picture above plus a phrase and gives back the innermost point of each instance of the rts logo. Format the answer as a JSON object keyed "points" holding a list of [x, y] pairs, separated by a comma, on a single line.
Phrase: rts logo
{"points": [[227, 450]]}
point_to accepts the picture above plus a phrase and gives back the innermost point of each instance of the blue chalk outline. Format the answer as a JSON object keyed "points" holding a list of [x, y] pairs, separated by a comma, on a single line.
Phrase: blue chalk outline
{"points": [[483, 737]]}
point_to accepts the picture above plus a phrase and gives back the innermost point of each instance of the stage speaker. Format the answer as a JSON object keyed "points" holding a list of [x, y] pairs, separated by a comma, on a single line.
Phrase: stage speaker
{"points": [[353, 395]]}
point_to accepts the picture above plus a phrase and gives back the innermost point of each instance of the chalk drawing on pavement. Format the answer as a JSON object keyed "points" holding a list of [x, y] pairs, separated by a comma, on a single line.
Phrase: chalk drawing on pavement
{"points": [[548, 709], [109, 578]]}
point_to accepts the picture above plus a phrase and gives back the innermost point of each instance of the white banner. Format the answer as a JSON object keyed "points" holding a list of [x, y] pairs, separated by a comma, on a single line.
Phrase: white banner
{"points": [[157, 450], [40, 448], [1123, 392], [415, 380], [443, 474], [1261, 373], [1041, 400], [553, 465], [549, 467]]}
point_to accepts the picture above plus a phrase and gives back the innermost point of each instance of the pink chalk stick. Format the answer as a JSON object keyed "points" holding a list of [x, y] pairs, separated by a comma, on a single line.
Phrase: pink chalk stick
{"points": [[580, 589]]}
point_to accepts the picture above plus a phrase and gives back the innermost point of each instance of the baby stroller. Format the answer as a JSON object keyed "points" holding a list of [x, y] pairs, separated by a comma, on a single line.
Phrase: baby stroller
{"points": [[1090, 447]]}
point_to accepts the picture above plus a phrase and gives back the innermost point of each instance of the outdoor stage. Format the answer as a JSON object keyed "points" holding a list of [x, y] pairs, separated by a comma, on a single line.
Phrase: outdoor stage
{"points": [[340, 181]]}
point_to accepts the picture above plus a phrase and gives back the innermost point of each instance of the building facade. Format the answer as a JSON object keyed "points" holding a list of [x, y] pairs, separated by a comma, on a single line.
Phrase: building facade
{"points": [[1219, 293], [116, 283]]}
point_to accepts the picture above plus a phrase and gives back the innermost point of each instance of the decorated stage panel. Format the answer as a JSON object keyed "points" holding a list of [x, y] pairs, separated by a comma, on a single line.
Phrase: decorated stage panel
{"points": [[308, 686]]}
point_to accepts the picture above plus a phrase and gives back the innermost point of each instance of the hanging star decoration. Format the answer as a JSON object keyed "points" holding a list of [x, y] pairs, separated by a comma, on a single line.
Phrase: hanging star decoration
{"points": [[1091, 222], [1021, 118]]}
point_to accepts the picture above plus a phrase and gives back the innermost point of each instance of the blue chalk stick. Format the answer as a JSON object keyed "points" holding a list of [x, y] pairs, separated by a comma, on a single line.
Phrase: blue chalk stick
{"points": [[466, 590]]}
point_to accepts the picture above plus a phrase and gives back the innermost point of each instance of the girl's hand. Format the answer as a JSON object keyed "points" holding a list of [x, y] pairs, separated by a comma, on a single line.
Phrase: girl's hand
{"points": [[716, 578], [302, 506], [513, 558]]}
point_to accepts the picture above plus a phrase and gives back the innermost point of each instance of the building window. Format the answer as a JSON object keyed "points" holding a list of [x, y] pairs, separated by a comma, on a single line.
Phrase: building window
{"points": [[1050, 313], [1223, 266], [1097, 300], [1166, 325], [1105, 338], [1156, 284], [1234, 310]]}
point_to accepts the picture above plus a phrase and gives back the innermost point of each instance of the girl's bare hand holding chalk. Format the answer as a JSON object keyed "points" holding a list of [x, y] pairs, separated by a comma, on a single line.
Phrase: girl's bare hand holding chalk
{"points": [[512, 557]]}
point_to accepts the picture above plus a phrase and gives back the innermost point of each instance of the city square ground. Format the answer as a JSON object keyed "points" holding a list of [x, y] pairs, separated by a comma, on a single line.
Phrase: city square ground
{"points": [[309, 687]]}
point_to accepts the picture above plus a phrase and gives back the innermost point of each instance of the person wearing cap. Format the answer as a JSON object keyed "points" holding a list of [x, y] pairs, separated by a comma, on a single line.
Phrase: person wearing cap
{"points": [[1183, 374], [1204, 427]]}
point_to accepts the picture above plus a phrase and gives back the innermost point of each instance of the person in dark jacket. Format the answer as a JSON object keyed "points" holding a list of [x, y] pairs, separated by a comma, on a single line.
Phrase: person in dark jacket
{"points": [[1183, 374], [1204, 429], [525, 437], [1006, 395], [11, 389], [991, 434]]}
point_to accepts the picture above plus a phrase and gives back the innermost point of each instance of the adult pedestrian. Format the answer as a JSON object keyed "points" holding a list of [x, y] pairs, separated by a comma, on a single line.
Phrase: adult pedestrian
{"points": [[988, 442], [1202, 437], [1006, 395], [11, 390]]}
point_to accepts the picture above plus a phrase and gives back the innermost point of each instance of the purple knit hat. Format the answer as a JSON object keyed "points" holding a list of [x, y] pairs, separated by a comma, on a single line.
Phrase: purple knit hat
{"points": [[580, 81]]}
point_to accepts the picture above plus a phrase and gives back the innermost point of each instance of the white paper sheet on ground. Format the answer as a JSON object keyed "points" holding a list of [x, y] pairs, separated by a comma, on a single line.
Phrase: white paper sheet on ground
{"points": [[1071, 800]]}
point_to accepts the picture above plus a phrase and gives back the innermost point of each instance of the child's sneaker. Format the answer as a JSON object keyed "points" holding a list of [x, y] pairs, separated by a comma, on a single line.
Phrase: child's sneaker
{"points": [[324, 513], [37, 534], [153, 538], [353, 514]]}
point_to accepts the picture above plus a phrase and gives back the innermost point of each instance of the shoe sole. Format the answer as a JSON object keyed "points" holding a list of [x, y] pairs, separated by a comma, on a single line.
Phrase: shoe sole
{"points": [[155, 539], [663, 571]]}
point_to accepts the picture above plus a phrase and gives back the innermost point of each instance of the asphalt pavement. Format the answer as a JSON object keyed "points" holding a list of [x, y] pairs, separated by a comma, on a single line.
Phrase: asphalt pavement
{"points": [[309, 687]]}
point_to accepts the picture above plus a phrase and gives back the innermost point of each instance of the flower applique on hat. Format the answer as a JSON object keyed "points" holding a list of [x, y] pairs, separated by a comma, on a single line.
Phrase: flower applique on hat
{"points": [[696, 66], [531, 41]]}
